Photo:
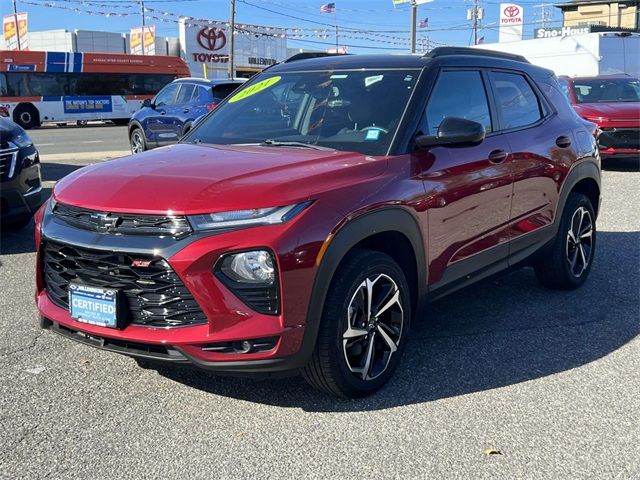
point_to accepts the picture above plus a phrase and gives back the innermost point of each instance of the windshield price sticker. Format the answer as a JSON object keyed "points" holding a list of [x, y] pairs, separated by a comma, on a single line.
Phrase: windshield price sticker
{"points": [[255, 88]]}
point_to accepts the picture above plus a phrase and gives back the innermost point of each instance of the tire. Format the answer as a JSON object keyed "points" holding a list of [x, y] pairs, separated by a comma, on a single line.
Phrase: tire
{"points": [[339, 365], [26, 116], [186, 129], [567, 265], [17, 224], [81, 123], [137, 141]]}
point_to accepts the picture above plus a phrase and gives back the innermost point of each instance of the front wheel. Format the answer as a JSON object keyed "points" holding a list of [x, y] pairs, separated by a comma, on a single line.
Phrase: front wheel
{"points": [[569, 262], [364, 327], [138, 144]]}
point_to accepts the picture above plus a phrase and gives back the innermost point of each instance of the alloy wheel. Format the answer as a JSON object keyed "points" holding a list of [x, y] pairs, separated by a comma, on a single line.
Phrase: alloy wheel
{"points": [[137, 144], [375, 319], [579, 245]]}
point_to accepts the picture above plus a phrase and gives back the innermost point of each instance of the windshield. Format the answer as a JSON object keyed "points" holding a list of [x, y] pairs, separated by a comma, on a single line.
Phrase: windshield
{"points": [[347, 110], [610, 90]]}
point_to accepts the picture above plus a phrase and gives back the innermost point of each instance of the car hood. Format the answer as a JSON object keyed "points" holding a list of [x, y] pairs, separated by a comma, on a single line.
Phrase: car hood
{"points": [[189, 179], [613, 110]]}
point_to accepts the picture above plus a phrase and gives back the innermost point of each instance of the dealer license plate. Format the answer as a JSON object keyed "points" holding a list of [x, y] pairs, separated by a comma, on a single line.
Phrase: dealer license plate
{"points": [[94, 305]]}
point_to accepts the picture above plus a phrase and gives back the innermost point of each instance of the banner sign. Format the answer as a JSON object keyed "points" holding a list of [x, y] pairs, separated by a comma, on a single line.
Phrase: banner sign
{"points": [[93, 104], [135, 40], [555, 32], [11, 31], [511, 22]]}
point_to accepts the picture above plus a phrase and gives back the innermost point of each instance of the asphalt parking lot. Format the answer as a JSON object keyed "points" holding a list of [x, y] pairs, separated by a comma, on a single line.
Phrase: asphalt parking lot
{"points": [[549, 381]]}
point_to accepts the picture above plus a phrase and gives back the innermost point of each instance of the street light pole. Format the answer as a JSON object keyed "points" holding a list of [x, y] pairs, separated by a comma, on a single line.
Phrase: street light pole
{"points": [[414, 19], [142, 29], [232, 27], [15, 19]]}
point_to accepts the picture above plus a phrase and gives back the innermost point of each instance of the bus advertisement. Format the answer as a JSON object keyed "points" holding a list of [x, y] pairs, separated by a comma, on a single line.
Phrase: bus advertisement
{"points": [[60, 87]]}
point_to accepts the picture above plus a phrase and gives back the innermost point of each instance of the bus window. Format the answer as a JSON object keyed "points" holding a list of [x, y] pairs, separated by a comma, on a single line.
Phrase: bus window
{"points": [[3, 85]]}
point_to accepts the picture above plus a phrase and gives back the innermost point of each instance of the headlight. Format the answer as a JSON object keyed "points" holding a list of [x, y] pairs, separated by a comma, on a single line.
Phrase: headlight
{"points": [[22, 140], [256, 266], [245, 218]]}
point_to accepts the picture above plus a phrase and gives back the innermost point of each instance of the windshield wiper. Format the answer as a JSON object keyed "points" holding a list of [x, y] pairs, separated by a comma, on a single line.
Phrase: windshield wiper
{"points": [[277, 143]]}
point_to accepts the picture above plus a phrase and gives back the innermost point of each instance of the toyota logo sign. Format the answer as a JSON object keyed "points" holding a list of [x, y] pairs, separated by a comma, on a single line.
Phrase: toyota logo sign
{"points": [[511, 11], [211, 38]]}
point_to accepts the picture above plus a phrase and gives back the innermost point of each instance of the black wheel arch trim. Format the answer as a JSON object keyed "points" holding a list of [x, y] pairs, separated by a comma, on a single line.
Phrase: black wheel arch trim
{"points": [[387, 219], [586, 169]]}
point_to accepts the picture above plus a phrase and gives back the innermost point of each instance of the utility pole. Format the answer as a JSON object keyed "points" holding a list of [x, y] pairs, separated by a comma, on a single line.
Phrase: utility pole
{"points": [[414, 19], [142, 29], [544, 16], [232, 27], [475, 13], [15, 19]]}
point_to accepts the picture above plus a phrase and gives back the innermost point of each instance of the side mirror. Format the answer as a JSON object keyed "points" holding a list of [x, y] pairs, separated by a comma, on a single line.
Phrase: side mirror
{"points": [[454, 132], [147, 103]]}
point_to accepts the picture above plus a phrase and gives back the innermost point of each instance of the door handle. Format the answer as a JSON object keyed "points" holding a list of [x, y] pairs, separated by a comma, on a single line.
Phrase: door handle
{"points": [[498, 156], [162, 112], [563, 142], [185, 110]]}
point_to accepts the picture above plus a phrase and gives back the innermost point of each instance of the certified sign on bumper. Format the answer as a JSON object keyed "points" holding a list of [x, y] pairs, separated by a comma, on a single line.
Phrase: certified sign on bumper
{"points": [[94, 305]]}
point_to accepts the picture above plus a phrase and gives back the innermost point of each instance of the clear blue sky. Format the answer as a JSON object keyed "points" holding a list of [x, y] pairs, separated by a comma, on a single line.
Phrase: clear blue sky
{"points": [[447, 18]]}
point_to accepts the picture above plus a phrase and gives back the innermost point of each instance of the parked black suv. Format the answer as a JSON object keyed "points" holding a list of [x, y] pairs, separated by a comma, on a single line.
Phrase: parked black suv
{"points": [[21, 184]]}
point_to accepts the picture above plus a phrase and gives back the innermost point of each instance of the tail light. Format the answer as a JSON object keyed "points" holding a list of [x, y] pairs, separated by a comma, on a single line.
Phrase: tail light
{"points": [[211, 106]]}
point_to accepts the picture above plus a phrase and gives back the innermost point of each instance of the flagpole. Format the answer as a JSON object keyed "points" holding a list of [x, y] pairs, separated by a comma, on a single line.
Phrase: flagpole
{"points": [[335, 18], [414, 17]]}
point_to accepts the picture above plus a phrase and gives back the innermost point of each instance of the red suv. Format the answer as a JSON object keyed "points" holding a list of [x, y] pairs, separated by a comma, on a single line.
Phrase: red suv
{"points": [[302, 224], [613, 103]]}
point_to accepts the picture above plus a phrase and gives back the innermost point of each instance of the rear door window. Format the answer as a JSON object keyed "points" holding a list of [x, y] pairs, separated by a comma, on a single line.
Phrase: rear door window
{"points": [[516, 101], [185, 93], [458, 94]]}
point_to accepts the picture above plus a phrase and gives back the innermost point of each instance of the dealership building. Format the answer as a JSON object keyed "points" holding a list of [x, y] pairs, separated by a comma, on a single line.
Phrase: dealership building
{"points": [[204, 47]]}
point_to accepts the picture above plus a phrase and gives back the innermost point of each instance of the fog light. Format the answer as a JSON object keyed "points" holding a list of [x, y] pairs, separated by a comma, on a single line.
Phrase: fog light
{"points": [[255, 267]]}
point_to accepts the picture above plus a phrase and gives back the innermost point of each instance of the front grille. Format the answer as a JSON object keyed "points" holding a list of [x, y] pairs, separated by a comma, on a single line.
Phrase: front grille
{"points": [[154, 295], [622, 137], [175, 226], [7, 163]]}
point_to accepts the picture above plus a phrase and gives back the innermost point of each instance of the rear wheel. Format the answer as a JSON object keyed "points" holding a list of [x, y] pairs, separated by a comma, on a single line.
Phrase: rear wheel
{"points": [[364, 327], [138, 144], [26, 116], [568, 264]]}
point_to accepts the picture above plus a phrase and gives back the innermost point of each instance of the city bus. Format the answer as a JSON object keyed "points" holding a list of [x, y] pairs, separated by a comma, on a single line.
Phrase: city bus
{"points": [[61, 87]]}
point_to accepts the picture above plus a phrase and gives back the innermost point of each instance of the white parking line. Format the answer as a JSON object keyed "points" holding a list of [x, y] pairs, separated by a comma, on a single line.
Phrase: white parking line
{"points": [[93, 141], [45, 144]]}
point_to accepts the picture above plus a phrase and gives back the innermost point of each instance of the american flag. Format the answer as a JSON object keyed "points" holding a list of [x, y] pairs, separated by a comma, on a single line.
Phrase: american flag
{"points": [[424, 23], [328, 8], [480, 41]]}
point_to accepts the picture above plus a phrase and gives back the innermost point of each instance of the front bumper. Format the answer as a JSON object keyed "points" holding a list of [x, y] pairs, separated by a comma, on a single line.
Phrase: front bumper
{"points": [[228, 318], [619, 141], [21, 192]]}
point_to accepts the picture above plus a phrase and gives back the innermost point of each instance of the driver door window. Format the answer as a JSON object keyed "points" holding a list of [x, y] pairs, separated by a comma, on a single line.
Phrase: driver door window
{"points": [[167, 95], [458, 94]]}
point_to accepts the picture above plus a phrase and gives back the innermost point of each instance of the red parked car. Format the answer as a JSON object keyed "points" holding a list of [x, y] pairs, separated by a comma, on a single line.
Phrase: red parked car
{"points": [[613, 103], [301, 225]]}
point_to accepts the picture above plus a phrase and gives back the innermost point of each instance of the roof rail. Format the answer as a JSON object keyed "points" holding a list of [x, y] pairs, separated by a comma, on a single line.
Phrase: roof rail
{"points": [[474, 52], [305, 55]]}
